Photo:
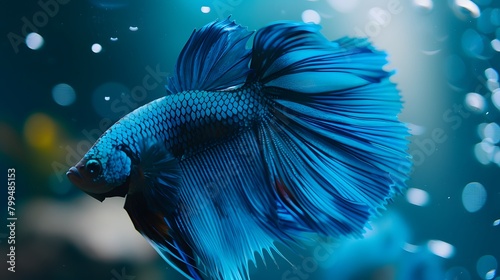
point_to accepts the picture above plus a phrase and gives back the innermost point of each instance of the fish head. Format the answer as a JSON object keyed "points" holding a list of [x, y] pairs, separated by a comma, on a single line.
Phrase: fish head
{"points": [[103, 172]]}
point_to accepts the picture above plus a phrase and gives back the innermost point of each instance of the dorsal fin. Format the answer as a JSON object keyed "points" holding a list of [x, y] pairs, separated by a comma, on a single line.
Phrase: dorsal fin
{"points": [[214, 58]]}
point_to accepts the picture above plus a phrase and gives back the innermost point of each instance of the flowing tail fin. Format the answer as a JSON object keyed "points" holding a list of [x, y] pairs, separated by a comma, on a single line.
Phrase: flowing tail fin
{"points": [[332, 141]]}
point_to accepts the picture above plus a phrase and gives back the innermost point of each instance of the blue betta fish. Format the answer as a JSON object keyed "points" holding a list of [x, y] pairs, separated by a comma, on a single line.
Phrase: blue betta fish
{"points": [[297, 135]]}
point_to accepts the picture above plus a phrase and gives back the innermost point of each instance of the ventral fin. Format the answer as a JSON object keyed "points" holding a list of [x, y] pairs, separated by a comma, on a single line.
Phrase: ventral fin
{"points": [[154, 227], [214, 58], [152, 201], [157, 175]]}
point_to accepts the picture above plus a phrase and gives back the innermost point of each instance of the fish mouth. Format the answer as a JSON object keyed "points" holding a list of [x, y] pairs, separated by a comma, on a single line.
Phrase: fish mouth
{"points": [[79, 177], [74, 176], [98, 191]]}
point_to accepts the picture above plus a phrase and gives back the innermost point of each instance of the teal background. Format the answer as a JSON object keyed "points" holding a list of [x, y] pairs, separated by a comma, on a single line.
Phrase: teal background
{"points": [[439, 55]]}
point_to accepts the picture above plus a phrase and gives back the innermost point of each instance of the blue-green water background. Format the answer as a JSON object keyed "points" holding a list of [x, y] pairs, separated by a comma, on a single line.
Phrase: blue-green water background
{"points": [[440, 53]]}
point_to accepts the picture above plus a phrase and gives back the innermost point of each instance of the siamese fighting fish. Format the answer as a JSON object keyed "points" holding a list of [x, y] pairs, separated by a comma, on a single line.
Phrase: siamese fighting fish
{"points": [[262, 137]]}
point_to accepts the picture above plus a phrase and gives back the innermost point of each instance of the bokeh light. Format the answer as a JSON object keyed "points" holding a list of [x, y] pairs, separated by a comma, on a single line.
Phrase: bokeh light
{"points": [[63, 94], [311, 16], [465, 9], [492, 85], [444, 54], [205, 9], [475, 44], [457, 273], [475, 102], [495, 17], [491, 74], [425, 5], [480, 130], [495, 44], [40, 131], [441, 248], [481, 154], [474, 197], [486, 267], [417, 197], [495, 98], [492, 132], [380, 246], [96, 48], [485, 22], [34, 41], [485, 151], [343, 6]]}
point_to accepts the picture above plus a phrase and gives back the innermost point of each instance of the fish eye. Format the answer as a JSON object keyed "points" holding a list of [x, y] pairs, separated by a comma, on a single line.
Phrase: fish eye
{"points": [[93, 167]]}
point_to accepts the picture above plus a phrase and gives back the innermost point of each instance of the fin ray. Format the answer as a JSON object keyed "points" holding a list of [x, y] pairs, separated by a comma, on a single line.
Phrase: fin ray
{"points": [[226, 197], [214, 58], [154, 187], [332, 136]]}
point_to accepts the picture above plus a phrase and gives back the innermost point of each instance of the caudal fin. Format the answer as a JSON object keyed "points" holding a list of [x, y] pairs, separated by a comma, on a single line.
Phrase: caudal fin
{"points": [[332, 142]]}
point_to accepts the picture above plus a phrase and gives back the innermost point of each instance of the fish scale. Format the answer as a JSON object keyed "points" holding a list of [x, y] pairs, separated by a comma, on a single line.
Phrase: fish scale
{"points": [[296, 136], [187, 129]]}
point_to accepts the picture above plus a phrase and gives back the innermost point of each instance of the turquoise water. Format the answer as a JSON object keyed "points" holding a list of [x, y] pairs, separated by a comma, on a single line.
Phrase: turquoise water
{"points": [[72, 68]]}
